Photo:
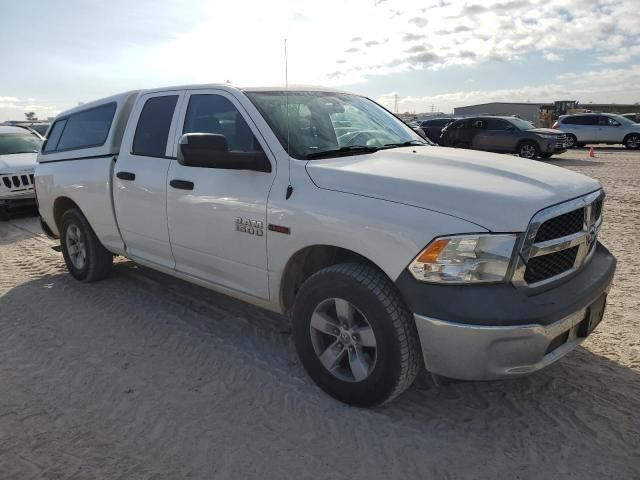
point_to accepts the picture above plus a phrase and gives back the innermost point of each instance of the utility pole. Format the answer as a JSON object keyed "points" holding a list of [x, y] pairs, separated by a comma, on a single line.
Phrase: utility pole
{"points": [[395, 98]]}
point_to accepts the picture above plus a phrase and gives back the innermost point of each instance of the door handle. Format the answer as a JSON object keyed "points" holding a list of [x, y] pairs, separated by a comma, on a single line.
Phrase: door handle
{"points": [[181, 184], [126, 175]]}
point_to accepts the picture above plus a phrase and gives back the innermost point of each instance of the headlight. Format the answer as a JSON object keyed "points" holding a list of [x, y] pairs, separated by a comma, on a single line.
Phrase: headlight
{"points": [[465, 259], [548, 137]]}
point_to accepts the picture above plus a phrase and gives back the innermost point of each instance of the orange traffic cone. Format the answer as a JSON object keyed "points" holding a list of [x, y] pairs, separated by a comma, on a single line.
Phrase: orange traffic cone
{"points": [[592, 153]]}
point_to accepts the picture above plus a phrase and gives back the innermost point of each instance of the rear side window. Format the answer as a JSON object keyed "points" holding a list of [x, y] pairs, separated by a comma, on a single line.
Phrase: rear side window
{"points": [[54, 135], [494, 124], [580, 120], [89, 128], [153, 126]]}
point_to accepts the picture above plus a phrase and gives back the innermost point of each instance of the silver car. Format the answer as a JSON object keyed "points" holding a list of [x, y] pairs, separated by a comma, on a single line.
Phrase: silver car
{"points": [[607, 128]]}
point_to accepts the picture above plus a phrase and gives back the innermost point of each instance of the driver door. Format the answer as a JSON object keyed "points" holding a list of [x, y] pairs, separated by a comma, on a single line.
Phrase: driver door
{"points": [[217, 217]]}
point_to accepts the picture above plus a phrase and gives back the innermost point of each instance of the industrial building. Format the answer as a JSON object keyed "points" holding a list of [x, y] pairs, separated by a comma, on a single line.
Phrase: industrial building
{"points": [[539, 112]]}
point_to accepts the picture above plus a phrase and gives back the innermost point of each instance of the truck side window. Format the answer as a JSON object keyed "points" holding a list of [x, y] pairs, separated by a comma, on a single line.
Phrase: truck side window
{"points": [[88, 128], [208, 113], [153, 126]]}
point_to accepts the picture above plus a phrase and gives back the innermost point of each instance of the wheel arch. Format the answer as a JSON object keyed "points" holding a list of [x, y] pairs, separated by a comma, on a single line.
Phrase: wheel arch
{"points": [[60, 206], [522, 141], [309, 260]]}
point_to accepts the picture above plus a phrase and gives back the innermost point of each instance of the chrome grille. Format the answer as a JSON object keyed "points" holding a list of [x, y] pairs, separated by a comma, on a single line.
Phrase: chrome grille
{"points": [[559, 240], [16, 182]]}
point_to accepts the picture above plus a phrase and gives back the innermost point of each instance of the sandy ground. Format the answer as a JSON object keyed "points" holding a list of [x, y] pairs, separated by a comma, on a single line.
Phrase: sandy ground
{"points": [[145, 377]]}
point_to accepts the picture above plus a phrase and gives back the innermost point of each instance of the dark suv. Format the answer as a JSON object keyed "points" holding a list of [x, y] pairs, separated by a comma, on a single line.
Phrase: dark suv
{"points": [[432, 128], [504, 135]]}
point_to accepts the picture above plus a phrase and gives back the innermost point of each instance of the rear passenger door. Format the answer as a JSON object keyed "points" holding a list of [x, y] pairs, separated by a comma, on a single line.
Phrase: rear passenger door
{"points": [[140, 183], [479, 139]]}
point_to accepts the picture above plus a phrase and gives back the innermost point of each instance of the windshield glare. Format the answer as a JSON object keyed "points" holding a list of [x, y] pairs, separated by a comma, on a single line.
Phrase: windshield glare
{"points": [[19, 143], [322, 122], [522, 124]]}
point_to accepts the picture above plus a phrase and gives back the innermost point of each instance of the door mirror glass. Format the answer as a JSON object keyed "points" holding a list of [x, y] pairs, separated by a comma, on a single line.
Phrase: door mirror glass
{"points": [[211, 150]]}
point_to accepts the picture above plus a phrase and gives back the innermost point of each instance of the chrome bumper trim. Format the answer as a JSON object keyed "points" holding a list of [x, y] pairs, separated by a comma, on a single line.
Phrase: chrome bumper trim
{"points": [[473, 352]]}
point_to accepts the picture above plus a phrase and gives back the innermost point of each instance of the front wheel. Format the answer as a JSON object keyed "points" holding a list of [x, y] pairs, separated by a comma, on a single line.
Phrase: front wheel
{"points": [[355, 336], [528, 150], [572, 141], [87, 260], [632, 141]]}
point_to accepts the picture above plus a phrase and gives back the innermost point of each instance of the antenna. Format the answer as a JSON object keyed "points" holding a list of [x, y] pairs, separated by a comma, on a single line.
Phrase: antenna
{"points": [[286, 94]]}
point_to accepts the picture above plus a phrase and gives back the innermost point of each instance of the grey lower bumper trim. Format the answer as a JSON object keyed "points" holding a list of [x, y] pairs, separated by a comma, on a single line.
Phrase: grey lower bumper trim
{"points": [[470, 352]]}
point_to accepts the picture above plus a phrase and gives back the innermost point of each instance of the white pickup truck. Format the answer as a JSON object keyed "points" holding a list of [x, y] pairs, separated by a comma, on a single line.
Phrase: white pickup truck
{"points": [[386, 252]]}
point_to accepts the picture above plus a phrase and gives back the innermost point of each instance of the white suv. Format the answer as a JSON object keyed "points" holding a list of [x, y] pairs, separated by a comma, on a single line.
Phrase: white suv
{"points": [[599, 128], [18, 151]]}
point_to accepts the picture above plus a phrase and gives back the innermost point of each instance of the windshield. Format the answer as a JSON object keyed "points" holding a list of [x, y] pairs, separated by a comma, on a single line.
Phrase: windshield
{"points": [[19, 143], [522, 124], [334, 123]]}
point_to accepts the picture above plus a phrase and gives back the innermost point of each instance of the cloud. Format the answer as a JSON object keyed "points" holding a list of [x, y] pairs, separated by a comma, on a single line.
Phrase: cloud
{"points": [[621, 85], [412, 37], [419, 22], [356, 39], [416, 49], [371, 43], [352, 50]]}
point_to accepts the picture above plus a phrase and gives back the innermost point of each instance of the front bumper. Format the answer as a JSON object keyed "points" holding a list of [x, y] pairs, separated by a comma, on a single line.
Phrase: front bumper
{"points": [[553, 147], [471, 352], [488, 332]]}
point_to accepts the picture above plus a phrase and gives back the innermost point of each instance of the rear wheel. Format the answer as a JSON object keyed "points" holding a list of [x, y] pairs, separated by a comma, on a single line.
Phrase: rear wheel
{"points": [[528, 150], [87, 260], [546, 155], [355, 336], [632, 141]]}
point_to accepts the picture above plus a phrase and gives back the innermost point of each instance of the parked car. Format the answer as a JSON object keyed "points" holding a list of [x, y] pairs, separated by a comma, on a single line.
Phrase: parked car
{"points": [[504, 135], [432, 128], [18, 152], [634, 117], [608, 128], [383, 250]]}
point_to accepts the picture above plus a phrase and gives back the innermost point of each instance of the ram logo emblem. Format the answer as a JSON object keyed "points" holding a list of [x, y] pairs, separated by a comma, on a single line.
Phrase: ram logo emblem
{"points": [[252, 227]]}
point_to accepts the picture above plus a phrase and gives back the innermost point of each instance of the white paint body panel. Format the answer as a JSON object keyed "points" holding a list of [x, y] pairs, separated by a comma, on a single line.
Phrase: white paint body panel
{"points": [[386, 207]]}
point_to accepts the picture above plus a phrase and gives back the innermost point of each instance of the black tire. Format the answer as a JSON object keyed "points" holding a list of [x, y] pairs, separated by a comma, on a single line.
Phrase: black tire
{"points": [[546, 155], [572, 140], [528, 150], [398, 356], [632, 141], [461, 145], [98, 260]]}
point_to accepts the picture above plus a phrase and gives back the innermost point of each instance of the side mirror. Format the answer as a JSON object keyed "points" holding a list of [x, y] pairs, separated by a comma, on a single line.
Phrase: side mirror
{"points": [[510, 128], [211, 150]]}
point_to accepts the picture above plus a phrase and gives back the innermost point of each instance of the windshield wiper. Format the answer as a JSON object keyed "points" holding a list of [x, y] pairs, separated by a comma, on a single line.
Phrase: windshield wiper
{"points": [[343, 151], [410, 143]]}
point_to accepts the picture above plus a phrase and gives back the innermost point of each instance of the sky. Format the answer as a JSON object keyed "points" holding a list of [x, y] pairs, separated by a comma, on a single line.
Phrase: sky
{"points": [[432, 54]]}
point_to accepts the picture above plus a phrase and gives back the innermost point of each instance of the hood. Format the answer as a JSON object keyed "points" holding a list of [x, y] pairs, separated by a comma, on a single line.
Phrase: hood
{"points": [[498, 192], [17, 162], [546, 131]]}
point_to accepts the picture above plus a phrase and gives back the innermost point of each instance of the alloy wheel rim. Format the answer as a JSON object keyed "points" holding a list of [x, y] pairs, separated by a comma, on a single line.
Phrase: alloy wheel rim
{"points": [[343, 340], [634, 141], [76, 247], [570, 142], [527, 151]]}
